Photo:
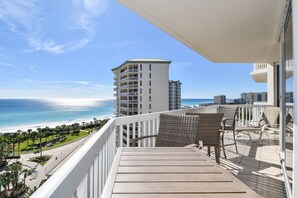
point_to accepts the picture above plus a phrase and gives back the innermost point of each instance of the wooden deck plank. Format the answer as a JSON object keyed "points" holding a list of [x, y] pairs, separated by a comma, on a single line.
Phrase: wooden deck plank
{"points": [[194, 157], [176, 187], [168, 169], [218, 195], [160, 153], [165, 163], [171, 177], [157, 149]]}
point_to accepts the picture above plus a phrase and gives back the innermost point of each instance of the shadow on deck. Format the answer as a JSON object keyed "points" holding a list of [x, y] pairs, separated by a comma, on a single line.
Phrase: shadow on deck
{"points": [[257, 163]]}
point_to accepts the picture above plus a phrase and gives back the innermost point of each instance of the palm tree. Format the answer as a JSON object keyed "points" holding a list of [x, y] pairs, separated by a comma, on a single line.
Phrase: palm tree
{"points": [[25, 172], [40, 140], [5, 179], [3, 152], [34, 135], [15, 169], [29, 135]]}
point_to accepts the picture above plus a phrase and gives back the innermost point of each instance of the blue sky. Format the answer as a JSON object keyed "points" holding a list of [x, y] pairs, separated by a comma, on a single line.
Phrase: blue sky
{"points": [[66, 49]]}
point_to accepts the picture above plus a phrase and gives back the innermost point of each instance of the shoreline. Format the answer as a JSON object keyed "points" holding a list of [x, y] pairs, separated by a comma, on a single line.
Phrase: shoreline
{"points": [[25, 127]]}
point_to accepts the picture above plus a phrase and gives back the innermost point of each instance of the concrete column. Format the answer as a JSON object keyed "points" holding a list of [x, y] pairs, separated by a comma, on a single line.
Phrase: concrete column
{"points": [[272, 84], [294, 32]]}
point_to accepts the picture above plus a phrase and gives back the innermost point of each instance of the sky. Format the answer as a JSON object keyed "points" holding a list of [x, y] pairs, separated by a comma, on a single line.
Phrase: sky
{"points": [[66, 49]]}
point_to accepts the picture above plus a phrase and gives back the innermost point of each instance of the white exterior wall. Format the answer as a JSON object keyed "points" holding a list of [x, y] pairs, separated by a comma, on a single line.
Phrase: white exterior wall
{"points": [[159, 88]]}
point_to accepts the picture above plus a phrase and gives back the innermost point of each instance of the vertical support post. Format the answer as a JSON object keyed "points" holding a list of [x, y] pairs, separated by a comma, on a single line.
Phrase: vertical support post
{"points": [[282, 90], [294, 32]]}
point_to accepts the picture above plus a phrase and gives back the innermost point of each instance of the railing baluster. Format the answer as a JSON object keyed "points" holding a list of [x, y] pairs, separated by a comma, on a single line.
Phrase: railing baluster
{"points": [[154, 132], [128, 135], [133, 128], [121, 136], [144, 133]]}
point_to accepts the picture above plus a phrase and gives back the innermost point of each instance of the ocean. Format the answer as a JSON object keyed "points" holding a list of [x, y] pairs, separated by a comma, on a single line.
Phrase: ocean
{"points": [[22, 114]]}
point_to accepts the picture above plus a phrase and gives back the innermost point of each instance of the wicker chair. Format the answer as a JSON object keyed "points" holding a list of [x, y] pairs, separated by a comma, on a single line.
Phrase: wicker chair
{"points": [[228, 124], [174, 131], [208, 131]]}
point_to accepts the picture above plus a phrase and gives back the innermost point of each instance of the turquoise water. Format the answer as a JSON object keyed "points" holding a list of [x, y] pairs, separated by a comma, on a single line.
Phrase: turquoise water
{"points": [[14, 112], [191, 102], [31, 112]]}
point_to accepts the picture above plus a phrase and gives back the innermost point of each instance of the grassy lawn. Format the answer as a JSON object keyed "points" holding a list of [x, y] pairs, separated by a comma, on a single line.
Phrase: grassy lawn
{"points": [[24, 148]]}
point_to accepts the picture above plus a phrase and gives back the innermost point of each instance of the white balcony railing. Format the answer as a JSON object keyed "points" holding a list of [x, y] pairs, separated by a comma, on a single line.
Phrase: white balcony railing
{"points": [[85, 173]]}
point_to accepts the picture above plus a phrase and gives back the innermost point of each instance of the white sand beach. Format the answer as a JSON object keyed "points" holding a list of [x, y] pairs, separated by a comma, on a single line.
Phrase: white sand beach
{"points": [[11, 129]]}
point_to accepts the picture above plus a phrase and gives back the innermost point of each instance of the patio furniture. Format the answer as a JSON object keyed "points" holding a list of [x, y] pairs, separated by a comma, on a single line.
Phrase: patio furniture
{"points": [[228, 124], [174, 131], [170, 172], [208, 131], [267, 122]]}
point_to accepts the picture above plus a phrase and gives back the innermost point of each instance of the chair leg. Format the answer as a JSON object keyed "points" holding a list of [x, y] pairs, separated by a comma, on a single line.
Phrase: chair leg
{"points": [[223, 146], [217, 154], [208, 150], [234, 138]]}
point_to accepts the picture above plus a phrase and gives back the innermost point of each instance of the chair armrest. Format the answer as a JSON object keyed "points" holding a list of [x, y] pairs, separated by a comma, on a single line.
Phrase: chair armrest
{"points": [[140, 138]]}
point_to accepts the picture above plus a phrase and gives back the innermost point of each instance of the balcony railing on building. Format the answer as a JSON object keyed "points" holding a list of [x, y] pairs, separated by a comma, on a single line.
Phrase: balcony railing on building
{"points": [[86, 172]]}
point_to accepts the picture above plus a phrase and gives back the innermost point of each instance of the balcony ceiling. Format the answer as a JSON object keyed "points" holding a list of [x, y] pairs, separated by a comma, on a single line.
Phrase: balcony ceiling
{"points": [[220, 30]]}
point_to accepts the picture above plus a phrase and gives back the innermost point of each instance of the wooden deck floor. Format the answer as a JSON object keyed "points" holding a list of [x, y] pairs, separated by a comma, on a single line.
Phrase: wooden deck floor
{"points": [[170, 172], [257, 163]]}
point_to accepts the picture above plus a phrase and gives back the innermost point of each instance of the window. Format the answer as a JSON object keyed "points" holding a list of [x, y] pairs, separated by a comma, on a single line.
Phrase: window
{"points": [[140, 90], [140, 67], [150, 67], [150, 83], [140, 83], [140, 106], [140, 98], [150, 91], [150, 98], [150, 75], [140, 75], [150, 106]]}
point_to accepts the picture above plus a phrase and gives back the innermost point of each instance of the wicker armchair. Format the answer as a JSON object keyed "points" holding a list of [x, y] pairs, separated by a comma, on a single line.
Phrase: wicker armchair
{"points": [[174, 131], [208, 131], [228, 124]]}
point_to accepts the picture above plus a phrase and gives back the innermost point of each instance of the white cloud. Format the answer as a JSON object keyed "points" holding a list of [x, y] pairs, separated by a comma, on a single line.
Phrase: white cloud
{"points": [[27, 19]]}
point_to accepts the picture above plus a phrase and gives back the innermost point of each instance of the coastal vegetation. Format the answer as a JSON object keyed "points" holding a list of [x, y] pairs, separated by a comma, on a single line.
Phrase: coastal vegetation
{"points": [[13, 144], [10, 183]]}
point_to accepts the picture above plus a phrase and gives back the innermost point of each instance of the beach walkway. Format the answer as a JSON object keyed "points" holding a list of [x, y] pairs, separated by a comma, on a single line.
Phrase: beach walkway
{"points": [[59, 156]]}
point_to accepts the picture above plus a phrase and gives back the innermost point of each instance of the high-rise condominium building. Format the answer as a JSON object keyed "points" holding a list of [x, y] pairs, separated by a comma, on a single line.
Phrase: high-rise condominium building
{"points": [[174, 95], [221, 99], [141, 86]]}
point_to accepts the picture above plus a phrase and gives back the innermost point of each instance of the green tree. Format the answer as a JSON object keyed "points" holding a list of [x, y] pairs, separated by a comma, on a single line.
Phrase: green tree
{"points": [[15, 168]]}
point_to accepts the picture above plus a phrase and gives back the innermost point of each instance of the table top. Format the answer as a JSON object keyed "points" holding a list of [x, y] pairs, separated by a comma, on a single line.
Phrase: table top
{"points": [[170, 172]]}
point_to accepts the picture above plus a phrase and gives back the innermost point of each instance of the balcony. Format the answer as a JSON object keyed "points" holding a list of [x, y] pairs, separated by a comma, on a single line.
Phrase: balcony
{"points": [[260, 71], [86, 172]]}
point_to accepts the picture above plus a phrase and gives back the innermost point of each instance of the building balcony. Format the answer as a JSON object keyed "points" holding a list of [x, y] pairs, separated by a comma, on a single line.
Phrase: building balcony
{"points": [[260, 70], [128, 71], [86, 172]]}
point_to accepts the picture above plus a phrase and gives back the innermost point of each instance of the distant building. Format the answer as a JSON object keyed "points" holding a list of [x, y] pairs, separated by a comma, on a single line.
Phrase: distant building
{"points": [[174, 95], [221, 99], [289, 97], [250, 98]]}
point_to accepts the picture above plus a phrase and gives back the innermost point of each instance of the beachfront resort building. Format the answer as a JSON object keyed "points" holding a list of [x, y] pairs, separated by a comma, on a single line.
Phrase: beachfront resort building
{"points": [[141, 86], [174, 95]]}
